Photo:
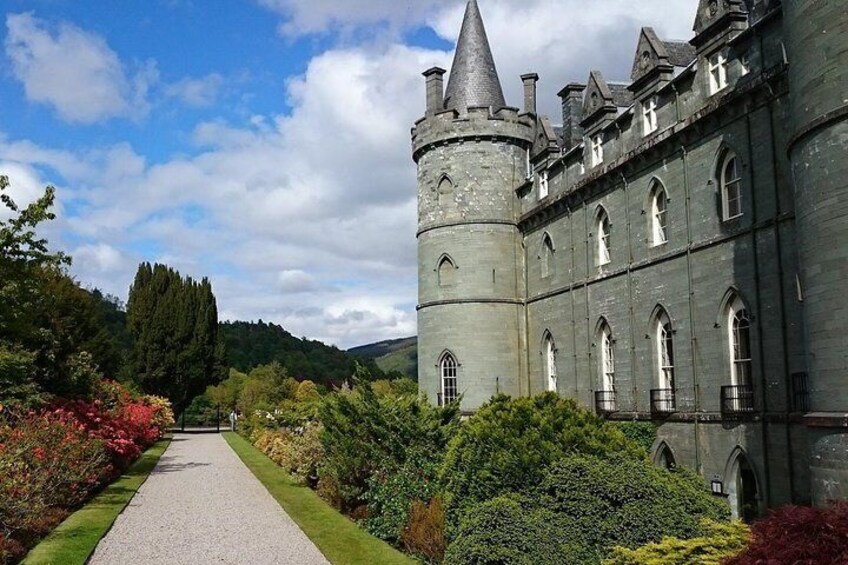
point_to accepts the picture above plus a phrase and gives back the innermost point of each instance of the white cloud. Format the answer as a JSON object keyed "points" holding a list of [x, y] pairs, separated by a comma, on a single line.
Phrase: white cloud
{"points": [[74, 71], [308, 219], [196, 92]]}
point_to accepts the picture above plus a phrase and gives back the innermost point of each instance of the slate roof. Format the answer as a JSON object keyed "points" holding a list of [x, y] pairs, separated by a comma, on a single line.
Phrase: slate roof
{"points": [[621, 96], [473, 79], [680, 53]]}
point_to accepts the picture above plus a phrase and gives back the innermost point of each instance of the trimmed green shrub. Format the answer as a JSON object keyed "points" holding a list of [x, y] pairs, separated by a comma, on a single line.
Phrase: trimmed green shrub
{"points": [[721, 542], [502, 530], [365, 432], [583, 507], [509, 443], [641, 433]]}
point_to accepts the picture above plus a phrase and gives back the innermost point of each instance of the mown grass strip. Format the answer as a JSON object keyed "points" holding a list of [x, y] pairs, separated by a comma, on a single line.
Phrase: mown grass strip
{"points": [[74, 540], [340, 540]]}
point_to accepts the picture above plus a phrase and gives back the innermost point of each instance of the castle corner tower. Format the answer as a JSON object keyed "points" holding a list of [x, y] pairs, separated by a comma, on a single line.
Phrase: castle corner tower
{"points": [[471, 151]]}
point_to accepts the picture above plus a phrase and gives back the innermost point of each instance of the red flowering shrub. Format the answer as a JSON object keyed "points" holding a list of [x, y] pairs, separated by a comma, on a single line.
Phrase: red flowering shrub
{"points": [[799, 535], [48, 462]]}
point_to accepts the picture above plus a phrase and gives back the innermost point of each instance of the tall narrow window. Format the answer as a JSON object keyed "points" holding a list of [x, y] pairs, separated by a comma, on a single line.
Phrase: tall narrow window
{"points": [[659, 214], [649, 115], [739, 325], [447, 368], [603, 228], [447, 272], [718, 71], [445, 190], [543, 185], [550, 364], [547, 256], [607, 359], [597, 150], [731, 186], [665, 352]]}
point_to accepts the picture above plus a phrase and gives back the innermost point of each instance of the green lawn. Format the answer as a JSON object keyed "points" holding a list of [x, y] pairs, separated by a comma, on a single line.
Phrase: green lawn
{"points": [[75, 539], [339, 539]]}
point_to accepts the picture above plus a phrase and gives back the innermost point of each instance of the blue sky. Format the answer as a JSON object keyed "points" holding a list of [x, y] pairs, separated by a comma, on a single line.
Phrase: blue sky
{"points": [[265, 143]]}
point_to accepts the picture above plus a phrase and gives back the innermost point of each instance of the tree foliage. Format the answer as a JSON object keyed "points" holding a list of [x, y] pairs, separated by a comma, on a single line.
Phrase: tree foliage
{"points": [[174, 322]]}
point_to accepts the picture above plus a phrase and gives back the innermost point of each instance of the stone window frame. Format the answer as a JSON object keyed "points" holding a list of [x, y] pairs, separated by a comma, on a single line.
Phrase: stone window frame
{"points": [[549, 366], [606, 358], [717, 65], [445, 259], [544, 187], [603, 231], [597, 150], [662, 337], [546, 256], [650, 123], [725, 185], [738, 338], [658, 215], [448, 377]]}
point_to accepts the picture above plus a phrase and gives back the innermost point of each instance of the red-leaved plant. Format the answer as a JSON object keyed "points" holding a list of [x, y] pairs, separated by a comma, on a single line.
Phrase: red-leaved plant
{"points": [[799, 535]]}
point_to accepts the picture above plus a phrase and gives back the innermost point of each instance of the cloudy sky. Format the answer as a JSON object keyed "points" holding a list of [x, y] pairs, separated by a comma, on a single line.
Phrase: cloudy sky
{"points": [[265, 143]]}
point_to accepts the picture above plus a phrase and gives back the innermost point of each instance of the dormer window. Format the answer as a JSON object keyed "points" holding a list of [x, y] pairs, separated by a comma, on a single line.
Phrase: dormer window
{"points": [[649, 116], [718, 71], [597, 150], [543, 185]]}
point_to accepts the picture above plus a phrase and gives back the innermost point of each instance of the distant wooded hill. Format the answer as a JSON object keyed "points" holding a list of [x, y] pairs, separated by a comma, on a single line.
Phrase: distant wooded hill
{"points": [[249, 344], [392, 355]]}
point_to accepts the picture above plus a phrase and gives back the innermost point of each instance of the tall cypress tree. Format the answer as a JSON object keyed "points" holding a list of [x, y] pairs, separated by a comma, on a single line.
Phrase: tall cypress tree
{"points": [[174, 321]]}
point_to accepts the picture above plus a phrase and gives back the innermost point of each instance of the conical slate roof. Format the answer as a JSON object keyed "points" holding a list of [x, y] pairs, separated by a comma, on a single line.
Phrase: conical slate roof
{"points": [[473, 78]]}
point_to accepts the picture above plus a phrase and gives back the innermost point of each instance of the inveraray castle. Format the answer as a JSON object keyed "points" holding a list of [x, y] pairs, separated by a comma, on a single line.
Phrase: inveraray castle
{"points": [[675, 251]]}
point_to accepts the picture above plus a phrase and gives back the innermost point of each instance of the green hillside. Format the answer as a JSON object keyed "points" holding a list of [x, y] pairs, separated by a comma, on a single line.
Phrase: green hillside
{"points": [[392, 355]]}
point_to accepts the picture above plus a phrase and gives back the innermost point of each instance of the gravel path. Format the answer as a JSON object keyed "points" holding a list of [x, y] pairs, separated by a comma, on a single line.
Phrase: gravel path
{"points": [[202, 505]]}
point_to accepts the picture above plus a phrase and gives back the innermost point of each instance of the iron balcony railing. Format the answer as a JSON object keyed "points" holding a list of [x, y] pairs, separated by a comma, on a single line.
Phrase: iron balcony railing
{"points": [[605, 401], [737, 400], [800, 393], [662, 401]]}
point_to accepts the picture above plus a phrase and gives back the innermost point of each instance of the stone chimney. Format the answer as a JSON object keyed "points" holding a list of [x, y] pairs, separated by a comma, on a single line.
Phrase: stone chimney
{"points": [[530, 81], [572, 113], [435, 89]]}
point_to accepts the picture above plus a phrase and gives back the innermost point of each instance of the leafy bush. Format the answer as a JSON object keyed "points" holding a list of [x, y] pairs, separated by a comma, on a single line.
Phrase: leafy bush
{"points": [[802, 535], [502, 530], [424, 535], [392, 493], [364, 432], [509, 443], [584, 505], [642, 434], [721, 542]]}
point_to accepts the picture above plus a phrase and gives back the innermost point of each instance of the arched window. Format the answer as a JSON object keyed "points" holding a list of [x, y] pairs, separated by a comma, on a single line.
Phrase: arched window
{"points": [[445, 189], [447, 272], [739, 341], [549, 354], [665, 457], [659, 214], [447, 369], [607, 359], [741, 487], [664, 342], [603, 228], [547, 256], [730, 184]]}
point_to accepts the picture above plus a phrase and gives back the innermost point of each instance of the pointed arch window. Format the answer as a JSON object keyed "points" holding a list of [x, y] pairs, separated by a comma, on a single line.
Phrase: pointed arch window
{"points": [[448, 373], [549, 353], [739, 341], [659, 214], [664, 343], [607, 360], [603, 229], [547, 256], [447, 272], [445, 189], [730, 183]]}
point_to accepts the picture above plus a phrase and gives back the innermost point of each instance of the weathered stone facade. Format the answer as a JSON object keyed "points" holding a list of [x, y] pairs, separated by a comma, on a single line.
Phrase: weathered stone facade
{"points": [[675, 251]]}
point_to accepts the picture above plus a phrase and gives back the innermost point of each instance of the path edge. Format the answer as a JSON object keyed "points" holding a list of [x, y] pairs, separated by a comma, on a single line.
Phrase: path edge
{"points": [[54, 549], [349, 531]]}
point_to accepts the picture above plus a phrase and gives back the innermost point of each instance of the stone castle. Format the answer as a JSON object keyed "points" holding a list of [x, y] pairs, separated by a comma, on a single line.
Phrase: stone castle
{"points": [[676, 251]]}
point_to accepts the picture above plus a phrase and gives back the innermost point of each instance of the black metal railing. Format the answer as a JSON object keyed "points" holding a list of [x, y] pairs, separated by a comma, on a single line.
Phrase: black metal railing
{"points": [[737, 400], [662, 401], [605, 401], [800, 393]]}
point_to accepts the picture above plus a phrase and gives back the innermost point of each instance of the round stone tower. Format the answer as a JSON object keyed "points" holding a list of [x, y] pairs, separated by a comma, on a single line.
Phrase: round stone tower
{"points": [[817, 50], [471, 152]]}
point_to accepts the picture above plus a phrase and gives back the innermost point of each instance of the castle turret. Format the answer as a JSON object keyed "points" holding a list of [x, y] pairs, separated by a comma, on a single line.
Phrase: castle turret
{"points": [[471, 157], [817, 51]]}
